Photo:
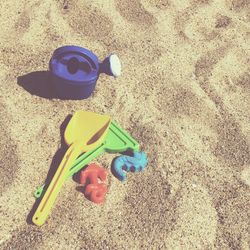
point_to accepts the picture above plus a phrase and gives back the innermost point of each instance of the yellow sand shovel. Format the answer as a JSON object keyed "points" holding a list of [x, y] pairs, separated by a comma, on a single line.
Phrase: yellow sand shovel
{"points": [[85, 131]]}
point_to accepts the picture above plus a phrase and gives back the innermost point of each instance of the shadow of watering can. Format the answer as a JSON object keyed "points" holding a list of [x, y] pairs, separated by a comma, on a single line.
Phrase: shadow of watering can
{"points": [[75, 71]]}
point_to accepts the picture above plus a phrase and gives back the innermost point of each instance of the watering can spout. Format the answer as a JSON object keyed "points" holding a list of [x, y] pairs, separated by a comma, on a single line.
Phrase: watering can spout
{"points": [[111, 66]]}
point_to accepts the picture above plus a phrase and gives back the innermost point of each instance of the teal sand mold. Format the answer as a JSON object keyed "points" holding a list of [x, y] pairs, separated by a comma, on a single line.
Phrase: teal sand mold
{"points": [[117, 141]]}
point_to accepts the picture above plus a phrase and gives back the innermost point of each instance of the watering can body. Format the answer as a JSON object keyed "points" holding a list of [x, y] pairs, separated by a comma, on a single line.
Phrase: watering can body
{"points": [[75, 70]]}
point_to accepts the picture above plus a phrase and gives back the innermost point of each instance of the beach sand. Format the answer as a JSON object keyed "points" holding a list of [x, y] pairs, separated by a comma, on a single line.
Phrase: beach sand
{"points": [[183, 95]]}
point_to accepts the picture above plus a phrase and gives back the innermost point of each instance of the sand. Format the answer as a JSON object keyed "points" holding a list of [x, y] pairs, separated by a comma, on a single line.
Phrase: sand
{"points": [[183, 94]]}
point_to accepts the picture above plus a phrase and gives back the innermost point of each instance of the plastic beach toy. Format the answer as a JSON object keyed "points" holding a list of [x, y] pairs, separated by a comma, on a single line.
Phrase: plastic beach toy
{"points": [[85, 131], [94, 178], [134, 163], [92, 174], [96, 192], [75, 71], [116, 141]]}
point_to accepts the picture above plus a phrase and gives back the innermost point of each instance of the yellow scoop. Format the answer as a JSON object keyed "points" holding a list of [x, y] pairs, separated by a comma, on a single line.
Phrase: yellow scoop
{"points": [[85, 131]]}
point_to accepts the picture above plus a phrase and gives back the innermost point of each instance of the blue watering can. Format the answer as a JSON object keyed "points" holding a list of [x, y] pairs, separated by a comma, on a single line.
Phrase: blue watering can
{"points": [[75, 71]]}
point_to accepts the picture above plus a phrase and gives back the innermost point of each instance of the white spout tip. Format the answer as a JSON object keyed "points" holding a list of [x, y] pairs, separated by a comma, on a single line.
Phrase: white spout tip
{"points": [[115, 65]]}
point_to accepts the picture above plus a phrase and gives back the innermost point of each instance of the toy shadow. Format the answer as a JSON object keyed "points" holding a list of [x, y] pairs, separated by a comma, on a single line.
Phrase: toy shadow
{"points": [[38, 83], [53, 167]]}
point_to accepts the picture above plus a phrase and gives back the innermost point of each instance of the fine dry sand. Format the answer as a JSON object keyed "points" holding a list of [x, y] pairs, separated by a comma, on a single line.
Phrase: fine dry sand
{"points": [[184, 95]]}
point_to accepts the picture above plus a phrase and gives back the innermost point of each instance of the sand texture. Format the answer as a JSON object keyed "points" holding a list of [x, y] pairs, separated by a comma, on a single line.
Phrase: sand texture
{"points": [[184, 94]]}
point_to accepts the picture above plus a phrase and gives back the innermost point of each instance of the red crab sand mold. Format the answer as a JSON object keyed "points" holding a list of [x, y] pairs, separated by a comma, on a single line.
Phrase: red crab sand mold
{"points": [[94, 178]]}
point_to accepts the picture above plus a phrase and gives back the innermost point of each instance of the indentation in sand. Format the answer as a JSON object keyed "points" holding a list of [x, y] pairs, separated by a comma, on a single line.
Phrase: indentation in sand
{"points": [[232, 217], [244, 81], [86, 19], [23, 22], [8, 154], [238, 5], [160, 4], [232, 145], [187, 25], [201, 2], [26, 237], [203, 71], [222, 21], [181, 101], [134, 12], [207, 62]]}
